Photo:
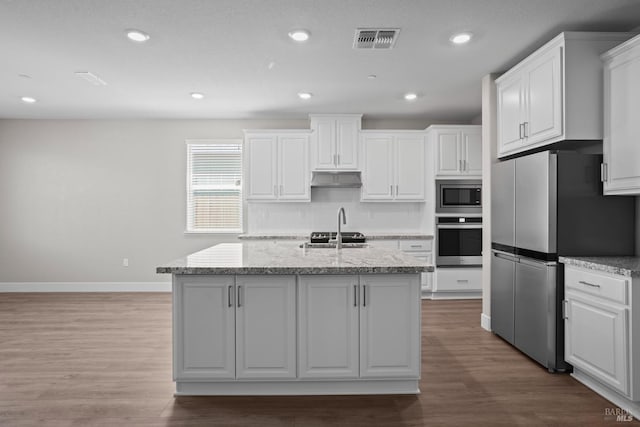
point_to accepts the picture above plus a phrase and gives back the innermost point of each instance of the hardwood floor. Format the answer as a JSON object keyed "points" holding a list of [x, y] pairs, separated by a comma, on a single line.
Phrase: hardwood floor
{"points": [[105, 360]]}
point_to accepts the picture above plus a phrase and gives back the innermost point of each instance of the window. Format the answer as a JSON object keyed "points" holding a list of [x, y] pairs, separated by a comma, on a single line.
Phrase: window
{"points": [[214, 186]]}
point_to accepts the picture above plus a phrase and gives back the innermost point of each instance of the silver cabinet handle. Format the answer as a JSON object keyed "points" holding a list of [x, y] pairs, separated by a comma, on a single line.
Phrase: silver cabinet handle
{"points": [[520, 131], [460, 165], [239, 296], [391, 189], [338, 159], [355, 295], [603, 172], [525, 127], [416, 246], [564, 309], [462, 281], [589, 284], [397, 189], [364, 295], [229, 292]]}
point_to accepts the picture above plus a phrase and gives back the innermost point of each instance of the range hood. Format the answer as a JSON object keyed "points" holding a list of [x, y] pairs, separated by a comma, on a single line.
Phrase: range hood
{"points": [[336, 179]]}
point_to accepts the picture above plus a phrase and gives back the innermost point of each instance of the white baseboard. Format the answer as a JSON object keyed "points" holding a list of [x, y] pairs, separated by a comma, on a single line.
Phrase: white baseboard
{"points": [[485, 322], [456, 295], [85, 287]]}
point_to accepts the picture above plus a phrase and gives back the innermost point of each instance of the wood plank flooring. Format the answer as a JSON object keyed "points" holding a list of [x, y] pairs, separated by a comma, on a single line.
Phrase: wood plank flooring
{"points": [[105, 360]]}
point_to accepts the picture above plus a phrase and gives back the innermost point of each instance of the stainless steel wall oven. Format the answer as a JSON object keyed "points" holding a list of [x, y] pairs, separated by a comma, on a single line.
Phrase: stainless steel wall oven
{"points": [[459, 241]]}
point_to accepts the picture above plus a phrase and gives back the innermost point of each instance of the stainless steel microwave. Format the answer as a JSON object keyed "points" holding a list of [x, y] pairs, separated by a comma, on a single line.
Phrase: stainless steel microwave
{"points": [[459, 196]]}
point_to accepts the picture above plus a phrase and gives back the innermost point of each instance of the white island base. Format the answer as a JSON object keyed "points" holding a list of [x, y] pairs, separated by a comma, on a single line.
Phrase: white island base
{"points": [[296, 334], [296, 388]]}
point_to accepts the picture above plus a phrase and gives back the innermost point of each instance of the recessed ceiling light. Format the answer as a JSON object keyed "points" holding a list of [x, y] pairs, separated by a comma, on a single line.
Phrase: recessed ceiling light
{"points": [[410, 96], [460, 38], [372, 76], [299, 35], [197, 95], [305, 95], [28, 99], [137, 36]]}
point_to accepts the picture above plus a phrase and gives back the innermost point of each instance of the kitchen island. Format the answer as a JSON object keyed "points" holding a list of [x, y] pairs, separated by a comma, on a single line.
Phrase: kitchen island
{"points": [[272, 318]]}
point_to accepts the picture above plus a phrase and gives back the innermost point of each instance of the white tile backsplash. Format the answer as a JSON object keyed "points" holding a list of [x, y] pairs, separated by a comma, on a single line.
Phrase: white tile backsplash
{"points": [[321, 214]]}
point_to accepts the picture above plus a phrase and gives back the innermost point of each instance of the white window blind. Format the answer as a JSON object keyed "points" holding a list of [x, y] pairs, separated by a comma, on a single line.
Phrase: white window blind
{"points": [[214, 186]]}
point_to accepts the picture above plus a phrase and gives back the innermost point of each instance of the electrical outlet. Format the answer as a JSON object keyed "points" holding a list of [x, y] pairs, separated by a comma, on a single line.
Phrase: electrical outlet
{"points": [[125, 262]]}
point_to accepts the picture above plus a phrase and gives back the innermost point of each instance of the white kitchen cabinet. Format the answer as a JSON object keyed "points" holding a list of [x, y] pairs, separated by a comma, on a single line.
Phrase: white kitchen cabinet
{"points": [[601, 340], [335, 141], [363, 327], [266, 327], [621, 174], [204, 328], [235, 328], [554, 94], [389, 332], [458, 282], [329, 327], [277, 165], [393, 166], [458, 150]]}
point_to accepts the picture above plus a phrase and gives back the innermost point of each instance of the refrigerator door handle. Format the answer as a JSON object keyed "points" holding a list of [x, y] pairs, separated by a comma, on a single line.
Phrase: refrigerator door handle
{"points": [[505, 255], [538, 262]]}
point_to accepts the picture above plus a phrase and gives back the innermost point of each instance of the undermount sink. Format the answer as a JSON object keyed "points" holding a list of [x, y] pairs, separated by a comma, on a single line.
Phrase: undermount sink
{"points": [[332, 245]]}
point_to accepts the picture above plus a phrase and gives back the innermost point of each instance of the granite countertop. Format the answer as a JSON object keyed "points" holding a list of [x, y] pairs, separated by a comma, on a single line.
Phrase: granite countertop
{"points": [[373, 236], [624, 265], [287, 257]]}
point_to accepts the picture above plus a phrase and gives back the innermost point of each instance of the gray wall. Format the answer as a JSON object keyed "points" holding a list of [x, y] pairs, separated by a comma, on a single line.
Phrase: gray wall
{"points": [[78, 196]]}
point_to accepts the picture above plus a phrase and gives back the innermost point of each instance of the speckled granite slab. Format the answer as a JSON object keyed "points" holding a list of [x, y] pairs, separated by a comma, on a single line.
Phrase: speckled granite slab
{"points": [[306, 236], [627, 266], [286, 257]]}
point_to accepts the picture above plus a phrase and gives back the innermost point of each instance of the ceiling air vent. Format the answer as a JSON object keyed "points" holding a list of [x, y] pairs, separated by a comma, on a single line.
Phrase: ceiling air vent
{"points": [[372, 38]]}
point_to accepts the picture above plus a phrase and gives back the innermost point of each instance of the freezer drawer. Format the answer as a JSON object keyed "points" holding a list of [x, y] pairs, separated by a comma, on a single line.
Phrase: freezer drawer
{"points": [[502, 294], [535, 310]]}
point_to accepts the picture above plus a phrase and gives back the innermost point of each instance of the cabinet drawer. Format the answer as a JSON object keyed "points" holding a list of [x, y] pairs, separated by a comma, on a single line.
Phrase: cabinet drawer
{"points": [[415, 245], [601, 285], [382, 243], [458, 279]]}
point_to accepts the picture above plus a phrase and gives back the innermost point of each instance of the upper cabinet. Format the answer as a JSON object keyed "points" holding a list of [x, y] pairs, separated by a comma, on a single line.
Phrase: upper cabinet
{"points": [[621, 169], [277, 165], [554, 94], [334, 142], [393, 165], [458, 150]]}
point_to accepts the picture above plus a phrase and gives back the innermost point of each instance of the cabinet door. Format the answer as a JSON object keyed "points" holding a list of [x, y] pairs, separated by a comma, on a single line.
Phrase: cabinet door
{"points": [[544, 98], [377, 171], [621, 130], [390, 326], [328, 332], [596, 340], [324, 143], [510, 113], [409, 168], [347, 143], [472, 151], [203, 327], [448, 157], [265, 327], [293, 168], [262, 167]]}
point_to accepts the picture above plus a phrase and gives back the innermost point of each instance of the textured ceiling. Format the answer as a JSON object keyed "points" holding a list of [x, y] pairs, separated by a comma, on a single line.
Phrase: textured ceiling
{"points": [[238, 54]]}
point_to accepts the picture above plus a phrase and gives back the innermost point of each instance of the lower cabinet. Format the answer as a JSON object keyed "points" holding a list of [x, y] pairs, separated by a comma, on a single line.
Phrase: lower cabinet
{"points": [[228, 327], [364, 326], [598, 337], [421, 249], [296, 334], [462, 282]]}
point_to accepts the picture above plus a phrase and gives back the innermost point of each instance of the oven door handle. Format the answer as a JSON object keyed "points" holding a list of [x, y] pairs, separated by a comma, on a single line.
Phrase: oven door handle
{"points": [[459, 226]]}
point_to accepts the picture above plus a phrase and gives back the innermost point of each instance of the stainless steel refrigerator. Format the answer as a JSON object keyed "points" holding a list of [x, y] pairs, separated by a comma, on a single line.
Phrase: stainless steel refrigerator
{"points": [[544, 205]]}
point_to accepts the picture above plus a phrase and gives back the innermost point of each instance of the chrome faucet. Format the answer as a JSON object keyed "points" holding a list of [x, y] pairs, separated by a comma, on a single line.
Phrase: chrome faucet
{"points": [[339, 234]]}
